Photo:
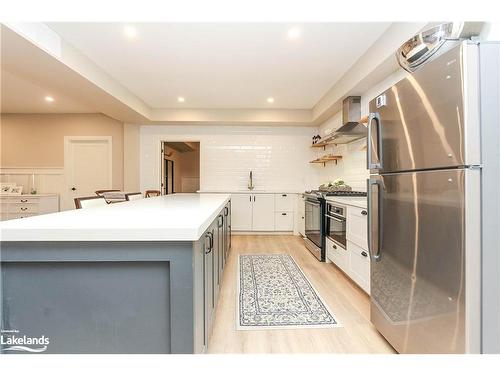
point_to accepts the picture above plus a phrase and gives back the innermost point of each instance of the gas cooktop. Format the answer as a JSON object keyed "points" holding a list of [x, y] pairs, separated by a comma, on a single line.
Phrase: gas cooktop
{"points": [[337, 193], [345, 193]]}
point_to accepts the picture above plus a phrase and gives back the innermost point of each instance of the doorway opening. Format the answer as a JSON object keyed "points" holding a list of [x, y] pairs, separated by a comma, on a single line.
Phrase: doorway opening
{"points": [[180, 167]]}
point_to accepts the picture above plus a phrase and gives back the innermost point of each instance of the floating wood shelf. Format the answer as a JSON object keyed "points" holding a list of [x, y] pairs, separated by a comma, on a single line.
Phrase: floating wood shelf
{"points": [[323, 143], [325, 159]]}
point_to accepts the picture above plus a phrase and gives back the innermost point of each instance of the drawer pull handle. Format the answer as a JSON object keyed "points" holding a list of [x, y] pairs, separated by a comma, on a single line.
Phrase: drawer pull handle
{"points": [[364, 212], [364, 254], [24, 208], [334, 246], [283, 195], [24, 200], [284, 214]]}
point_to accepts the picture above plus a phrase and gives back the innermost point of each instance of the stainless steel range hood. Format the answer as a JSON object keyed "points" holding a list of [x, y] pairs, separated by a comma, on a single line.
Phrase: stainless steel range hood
{"points": [[351, 128]]}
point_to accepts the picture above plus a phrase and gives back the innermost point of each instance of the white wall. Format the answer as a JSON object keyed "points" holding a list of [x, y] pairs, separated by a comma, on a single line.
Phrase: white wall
{"points": [[278, 156]]}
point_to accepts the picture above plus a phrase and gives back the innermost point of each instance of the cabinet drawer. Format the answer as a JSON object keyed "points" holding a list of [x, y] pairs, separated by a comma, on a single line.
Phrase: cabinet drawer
{"points": [[283, 221], [356, 230], [16, 216], [23, 208], [283, 202], [20, 199], [337, 255], [359, 266]]}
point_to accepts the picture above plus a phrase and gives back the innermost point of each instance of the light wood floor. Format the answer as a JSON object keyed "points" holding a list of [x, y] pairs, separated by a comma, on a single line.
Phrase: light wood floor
{"points": [[349, 304]]}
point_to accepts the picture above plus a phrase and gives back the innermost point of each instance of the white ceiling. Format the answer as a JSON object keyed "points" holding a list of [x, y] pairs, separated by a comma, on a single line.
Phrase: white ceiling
{"points": [[224, 65], [21, 95]]}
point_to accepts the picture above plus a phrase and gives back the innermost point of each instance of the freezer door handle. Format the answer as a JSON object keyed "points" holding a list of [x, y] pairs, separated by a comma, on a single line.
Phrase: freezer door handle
{"points": [[374, 210], [370, 164]]}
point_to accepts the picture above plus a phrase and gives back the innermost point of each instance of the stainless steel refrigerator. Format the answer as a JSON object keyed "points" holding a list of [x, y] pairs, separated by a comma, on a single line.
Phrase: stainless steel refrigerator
{"points": [[424, 197]]}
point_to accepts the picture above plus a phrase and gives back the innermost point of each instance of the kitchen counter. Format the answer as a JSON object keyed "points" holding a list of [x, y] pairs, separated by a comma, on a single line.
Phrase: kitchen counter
{"points": [[349, 201], [133, 277], [177, 217], [255, 191]]}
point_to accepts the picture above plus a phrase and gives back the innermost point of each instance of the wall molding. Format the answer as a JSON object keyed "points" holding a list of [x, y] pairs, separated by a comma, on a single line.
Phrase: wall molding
{"points": [[31, 170]]}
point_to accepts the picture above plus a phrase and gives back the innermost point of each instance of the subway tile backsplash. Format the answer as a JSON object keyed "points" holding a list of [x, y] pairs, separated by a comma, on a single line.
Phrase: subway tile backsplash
{"points": [[278, 156]]}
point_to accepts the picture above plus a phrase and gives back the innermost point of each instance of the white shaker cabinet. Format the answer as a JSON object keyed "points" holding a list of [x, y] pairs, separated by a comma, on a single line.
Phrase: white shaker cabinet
{"points": [[263, 212], [301, 213], [26, 205], [359, 265], [241, 212], [357, 226], [354, 260]]}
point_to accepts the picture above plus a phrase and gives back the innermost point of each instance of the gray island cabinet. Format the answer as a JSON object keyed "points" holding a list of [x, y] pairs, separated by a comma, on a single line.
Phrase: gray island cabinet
{"points": [[133, 277]]}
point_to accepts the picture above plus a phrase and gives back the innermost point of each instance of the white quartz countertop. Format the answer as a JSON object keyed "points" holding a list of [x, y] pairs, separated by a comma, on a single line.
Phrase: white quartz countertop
{"points": [[349, 201], [177, 217], [255, 191]]}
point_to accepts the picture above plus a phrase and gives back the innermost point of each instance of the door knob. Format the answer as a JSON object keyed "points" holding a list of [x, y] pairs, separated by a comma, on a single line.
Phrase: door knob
{"points": [[73, 188]]}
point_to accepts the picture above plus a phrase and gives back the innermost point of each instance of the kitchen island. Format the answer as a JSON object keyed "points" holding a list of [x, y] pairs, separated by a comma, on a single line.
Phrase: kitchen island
{"points": [[133, 277]]}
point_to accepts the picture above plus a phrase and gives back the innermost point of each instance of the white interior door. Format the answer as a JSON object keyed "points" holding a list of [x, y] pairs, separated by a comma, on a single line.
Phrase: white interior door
{"points": [[88, 166]]}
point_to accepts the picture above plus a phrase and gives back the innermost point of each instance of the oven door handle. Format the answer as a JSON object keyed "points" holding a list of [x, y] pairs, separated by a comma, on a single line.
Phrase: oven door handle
{"points": [[335, 218]]}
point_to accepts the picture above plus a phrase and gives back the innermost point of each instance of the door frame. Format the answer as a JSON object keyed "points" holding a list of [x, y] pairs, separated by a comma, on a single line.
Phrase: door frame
{"points": [[165, 177], [176, 138], [67, 172]]}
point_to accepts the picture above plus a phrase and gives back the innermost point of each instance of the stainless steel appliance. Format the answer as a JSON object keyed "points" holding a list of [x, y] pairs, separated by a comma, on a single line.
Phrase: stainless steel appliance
{"points": [[314, 224], [335, 224], [424, 203]]}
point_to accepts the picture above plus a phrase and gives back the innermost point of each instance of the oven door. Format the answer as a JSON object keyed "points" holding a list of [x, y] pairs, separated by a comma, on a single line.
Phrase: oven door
{"points": [[336, 228], [313, 221]]}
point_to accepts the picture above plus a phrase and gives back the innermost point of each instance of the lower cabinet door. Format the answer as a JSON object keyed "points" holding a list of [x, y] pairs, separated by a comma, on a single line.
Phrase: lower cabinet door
{"points": [[337, 255], [241, 205], [208, 274], [359, 266], [283, 221], [263, 212]]}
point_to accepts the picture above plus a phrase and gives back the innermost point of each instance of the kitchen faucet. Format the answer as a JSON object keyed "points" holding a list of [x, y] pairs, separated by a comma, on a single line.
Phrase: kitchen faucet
{"points": [[250, 182]]}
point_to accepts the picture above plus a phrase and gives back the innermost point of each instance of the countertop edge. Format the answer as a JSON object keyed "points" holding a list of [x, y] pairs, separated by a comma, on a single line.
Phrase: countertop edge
{"points": [[111, 235]]}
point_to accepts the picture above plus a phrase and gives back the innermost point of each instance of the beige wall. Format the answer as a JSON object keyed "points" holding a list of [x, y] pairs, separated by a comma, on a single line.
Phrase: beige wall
{"points": [[37, 140]]}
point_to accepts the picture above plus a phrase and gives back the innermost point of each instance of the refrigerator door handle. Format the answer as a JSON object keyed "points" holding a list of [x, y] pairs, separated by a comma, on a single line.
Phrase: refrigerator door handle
{"points": [[369, 148], [374, 250]]}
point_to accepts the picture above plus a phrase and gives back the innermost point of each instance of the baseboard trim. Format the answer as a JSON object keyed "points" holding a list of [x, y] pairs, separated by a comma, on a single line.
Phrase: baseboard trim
{"points": [[251, 233]]}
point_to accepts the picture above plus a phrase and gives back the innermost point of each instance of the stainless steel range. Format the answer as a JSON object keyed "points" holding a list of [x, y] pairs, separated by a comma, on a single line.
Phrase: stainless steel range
{"points": [[317, 227], [314, 223]]}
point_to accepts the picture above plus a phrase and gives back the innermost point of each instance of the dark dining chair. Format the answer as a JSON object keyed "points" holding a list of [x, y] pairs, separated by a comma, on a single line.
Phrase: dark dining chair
{"points": [[133, 196], [152, 193], [100, 192]]}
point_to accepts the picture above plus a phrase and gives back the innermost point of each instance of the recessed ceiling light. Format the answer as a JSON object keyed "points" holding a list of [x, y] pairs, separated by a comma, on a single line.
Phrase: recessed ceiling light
{"points": [[181, 99], [294, 33], [49, 99], [130, 31], [270, 100]]}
